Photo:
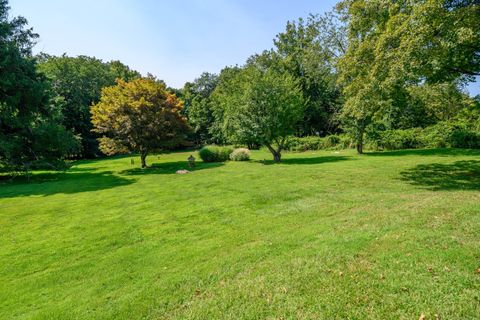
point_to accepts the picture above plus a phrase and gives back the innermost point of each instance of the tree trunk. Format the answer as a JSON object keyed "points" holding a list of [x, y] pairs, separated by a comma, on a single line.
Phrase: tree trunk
{"points": [[360, 140], [360, 146], [277, 155], [143, 157]]}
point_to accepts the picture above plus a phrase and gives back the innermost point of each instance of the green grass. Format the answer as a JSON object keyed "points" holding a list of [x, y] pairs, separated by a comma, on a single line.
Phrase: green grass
{"points": [[323, 235]]}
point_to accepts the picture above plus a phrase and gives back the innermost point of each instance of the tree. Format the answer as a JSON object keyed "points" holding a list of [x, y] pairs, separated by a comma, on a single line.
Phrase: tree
{"points": [[29, 129], [396, 46], [197, 97], [225, 87], [138, 116], [309, 50], [77, 83], [262, 106]]}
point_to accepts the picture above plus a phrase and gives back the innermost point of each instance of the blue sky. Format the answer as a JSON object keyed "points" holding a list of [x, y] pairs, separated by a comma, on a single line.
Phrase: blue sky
{"points": [[176, 40]]}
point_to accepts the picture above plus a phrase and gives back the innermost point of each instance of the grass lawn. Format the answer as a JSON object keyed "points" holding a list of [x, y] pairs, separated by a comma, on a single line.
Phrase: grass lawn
{"points": [[323, 235]]}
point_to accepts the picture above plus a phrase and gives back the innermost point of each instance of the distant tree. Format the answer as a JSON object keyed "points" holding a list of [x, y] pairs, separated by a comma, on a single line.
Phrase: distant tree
{"points": [[138, 116], [118, 70], [29, 129], [262, 106], [77, 83], [395, 46], [227, 85], [198, 106], [309, 50]]}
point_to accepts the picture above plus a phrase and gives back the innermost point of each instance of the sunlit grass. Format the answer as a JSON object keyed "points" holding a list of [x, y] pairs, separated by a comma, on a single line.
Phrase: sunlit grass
{"points": [[321, 235]]}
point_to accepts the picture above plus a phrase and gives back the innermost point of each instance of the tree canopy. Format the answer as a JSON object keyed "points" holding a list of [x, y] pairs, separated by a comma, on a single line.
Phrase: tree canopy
{"points": [[77, 83], [262, 106], [29, 128], [308, 50], [397, 46], [138, 116], [198, 106]]}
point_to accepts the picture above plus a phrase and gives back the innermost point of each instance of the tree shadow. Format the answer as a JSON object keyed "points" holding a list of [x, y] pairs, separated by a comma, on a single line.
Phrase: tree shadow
{"points": [[460, 175], [426, 152], [303, 161], [171, 168], [50, 183]]}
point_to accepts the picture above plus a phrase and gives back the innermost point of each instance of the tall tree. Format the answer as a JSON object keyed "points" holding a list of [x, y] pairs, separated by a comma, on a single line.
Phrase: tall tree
{"points": [[138, 116], [394, 46], [77, 83], [309, 50], [198, 106], [262, 106], [227, 85], [29, 131]]}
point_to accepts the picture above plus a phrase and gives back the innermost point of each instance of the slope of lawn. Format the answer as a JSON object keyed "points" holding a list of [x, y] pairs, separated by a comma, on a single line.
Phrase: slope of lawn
{"points": [[322, 235]]}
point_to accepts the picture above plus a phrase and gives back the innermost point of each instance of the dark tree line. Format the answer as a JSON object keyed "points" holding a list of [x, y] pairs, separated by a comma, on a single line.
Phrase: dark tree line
{"points": [[30, 129], [45, 100], [367, 66], [76, 84]]}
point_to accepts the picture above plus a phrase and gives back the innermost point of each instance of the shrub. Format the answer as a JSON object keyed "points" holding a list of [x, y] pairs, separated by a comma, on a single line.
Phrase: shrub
{"points": [[462, 138], [331, 141], [345, 142], [317, 143], [240, 154], [440, 135], [435, 136], [400, 139], [215, 153]]}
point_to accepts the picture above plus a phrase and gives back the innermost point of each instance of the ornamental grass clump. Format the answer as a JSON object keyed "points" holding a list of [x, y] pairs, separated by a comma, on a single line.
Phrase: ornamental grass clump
{"points": [[240, 154]]}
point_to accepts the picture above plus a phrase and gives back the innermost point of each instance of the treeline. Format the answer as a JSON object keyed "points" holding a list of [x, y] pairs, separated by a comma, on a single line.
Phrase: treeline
{"points": [[366, 72], [366, 68], [45, 100], [307, 52]]}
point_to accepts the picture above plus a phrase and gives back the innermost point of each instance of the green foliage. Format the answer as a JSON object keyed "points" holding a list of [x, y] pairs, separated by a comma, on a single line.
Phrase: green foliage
{"points": [[304, 143], [395, 47], [440, 135], [215, 153], [308, 51], [77, 83], [140, 115], [226, 86], [197, 98], [260, 106], [240, 154], [401, 139], [29, 130], [317, 143]]}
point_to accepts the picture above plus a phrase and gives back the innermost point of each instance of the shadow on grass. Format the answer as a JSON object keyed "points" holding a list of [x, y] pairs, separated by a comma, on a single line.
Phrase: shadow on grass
{"points": [[46, 184], [312, 160], [171, 168], [460, 175], [426, 152]]}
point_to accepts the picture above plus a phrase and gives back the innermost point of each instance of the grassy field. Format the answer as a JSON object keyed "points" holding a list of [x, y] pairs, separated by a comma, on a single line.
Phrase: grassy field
{"points": [[323, 235]]}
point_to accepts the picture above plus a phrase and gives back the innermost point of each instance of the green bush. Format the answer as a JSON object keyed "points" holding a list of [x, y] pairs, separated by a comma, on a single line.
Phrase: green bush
{"points": [[462, 138], [440, 135], [240, 154], [436, 136], [345, 142], [400, 139], [215, 153], [331, 141], [317, 143]]}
